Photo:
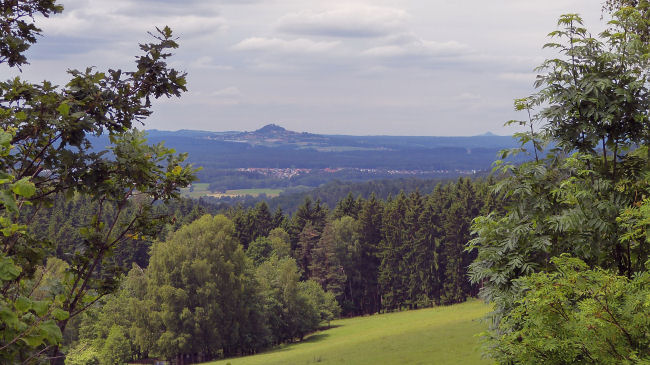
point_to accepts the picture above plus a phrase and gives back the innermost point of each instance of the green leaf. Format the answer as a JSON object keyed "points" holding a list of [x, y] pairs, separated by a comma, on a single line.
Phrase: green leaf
{"points": [[33, 341], [21, 115], [60, 314], [23, 304], [5, 138], [8, 200], [24, 187], [8, 271], [9, 317], [41, 307], [64, 109], [51, 332]]}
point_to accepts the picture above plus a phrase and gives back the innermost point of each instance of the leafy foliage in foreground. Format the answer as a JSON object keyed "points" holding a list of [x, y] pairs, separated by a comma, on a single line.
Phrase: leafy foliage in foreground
{"points": [[577, 315], [49, 130], [587, 199]]}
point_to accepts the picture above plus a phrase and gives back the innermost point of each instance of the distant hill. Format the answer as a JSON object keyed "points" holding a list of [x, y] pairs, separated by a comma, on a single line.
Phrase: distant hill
{"points": [[273, 135], [274, 157]]}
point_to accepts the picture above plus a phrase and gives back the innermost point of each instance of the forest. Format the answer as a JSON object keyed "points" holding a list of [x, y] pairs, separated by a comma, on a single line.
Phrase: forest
{"points": [[102, 262], [292, 273]]}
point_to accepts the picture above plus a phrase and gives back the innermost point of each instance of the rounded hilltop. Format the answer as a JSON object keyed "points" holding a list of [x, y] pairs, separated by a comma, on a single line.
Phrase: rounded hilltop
{"points": [[271, 128]]}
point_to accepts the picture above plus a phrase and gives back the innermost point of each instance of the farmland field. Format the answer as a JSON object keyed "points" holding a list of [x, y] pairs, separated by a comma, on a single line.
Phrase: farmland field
{"points": [[202, 189], [255, 192], [438, 336]]}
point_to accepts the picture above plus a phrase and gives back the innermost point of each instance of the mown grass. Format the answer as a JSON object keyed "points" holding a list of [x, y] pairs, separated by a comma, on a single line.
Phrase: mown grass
{"points": [[439, 336]]}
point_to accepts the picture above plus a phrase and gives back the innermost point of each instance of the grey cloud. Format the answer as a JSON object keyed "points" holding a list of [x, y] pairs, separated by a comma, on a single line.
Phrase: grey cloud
{"points": [[348, 21], [279, 45], [409, 67]]}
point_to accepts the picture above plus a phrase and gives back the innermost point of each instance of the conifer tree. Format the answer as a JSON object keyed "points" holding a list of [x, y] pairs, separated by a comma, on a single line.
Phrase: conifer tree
{"points": [[326, 267], [410, 256], [307, 241], [263, 221], [369, 233], [347, 207], [391, 270]]}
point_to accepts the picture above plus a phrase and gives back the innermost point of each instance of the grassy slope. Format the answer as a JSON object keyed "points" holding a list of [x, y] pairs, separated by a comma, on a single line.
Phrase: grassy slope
{"points": [[439, 336]]}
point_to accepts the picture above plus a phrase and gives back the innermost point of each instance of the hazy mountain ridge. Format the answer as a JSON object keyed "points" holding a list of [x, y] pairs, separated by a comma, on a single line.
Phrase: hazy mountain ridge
{"points": [[274, 157], [273, 135]]}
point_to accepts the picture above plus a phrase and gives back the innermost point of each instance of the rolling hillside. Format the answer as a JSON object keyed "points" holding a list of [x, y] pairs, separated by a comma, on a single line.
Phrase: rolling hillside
{"points": [[439, 336]]}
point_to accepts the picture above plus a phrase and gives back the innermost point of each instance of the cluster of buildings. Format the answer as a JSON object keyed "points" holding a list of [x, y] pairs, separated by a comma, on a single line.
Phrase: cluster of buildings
{"points": [[288, 173]]}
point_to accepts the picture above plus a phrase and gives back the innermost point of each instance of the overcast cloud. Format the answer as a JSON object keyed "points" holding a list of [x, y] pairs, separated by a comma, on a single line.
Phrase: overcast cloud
{"points": [[410, 67]]}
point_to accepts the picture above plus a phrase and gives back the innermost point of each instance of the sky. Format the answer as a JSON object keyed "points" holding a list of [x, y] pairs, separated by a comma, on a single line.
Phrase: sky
{"points": [[380, 67]]}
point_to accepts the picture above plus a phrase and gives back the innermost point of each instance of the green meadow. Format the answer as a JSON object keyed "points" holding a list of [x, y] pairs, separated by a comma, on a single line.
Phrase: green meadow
{"points": [[202, 189], [438, 336], [256, 192]]}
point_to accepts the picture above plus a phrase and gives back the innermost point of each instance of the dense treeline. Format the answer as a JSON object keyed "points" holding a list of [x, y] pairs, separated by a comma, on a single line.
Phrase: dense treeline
{"points": [[404, 252], [60, 224], [332, 192], [222, 180], [291, 273]]}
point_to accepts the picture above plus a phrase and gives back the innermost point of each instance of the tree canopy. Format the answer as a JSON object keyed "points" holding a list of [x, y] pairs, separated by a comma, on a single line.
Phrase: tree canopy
{"points": [[565, 264], [49, 130]]}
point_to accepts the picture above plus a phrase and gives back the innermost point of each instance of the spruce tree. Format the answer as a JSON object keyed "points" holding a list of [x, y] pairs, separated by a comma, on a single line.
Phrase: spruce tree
{"points": [[369, 233]]}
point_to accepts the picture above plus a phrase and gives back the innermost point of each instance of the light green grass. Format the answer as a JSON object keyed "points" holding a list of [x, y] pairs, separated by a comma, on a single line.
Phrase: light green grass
{"points": [[255, 192], [198, 190], [200, 186], [437, 336], [201, 189]]}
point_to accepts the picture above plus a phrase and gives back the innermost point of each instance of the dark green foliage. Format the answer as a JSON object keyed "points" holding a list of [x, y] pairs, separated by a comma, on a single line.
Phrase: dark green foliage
{"points": [[200, 288], [328, 256], [309, 212], [307, 242], [565, 264], [423, 258], [18, 29], [394, 245], [347, 207], [260, 250], [369, 228], [250, 224], [51, 130]]}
